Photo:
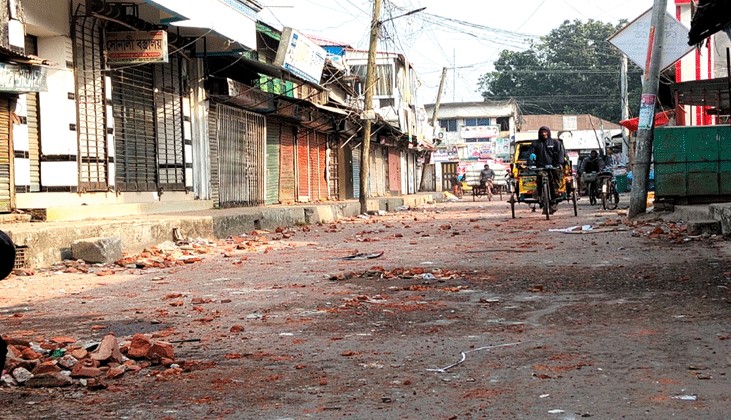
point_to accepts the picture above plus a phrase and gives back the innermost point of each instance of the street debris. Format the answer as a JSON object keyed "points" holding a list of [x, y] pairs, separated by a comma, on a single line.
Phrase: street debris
{"points": [[464, 356], [363, 256], [588, 229], [65, 361], [438, 274], [690, 397]]}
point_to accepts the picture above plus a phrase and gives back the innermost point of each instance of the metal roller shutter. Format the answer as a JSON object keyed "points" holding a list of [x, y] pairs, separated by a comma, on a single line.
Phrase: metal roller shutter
{"points": [[34, 141], [303, 166], [322, 163], [91, 109], [242, 145], [333, 165], [134, 126], [287, 180], [34, 130], [272, 173], [213, 141], [356, 171], [6, 158], [169, 125], [316, 170]]}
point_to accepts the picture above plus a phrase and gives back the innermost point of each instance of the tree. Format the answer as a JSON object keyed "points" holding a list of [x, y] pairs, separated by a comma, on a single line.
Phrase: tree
{"points": [[572, 70]]}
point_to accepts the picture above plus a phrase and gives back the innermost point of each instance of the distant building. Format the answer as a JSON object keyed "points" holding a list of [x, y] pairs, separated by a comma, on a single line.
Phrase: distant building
{"points": [[471, 134]]}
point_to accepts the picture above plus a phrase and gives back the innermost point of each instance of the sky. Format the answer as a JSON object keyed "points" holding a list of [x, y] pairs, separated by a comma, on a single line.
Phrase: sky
{"points": [[465, 36]]}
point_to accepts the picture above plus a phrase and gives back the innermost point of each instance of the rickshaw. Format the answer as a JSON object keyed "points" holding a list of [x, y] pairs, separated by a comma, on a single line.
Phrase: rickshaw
{"points": [[522, 182]]}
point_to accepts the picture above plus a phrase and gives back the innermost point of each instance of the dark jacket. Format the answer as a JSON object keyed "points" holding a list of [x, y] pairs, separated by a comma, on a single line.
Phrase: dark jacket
{"points": [[549, 151]]}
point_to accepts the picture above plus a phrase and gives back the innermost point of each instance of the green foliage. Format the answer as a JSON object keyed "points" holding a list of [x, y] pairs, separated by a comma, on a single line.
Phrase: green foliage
{"points": [[572, 70]]}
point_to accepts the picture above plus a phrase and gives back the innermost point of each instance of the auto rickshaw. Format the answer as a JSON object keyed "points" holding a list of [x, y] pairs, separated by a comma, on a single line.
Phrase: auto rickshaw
{"points": [[522, 181]]}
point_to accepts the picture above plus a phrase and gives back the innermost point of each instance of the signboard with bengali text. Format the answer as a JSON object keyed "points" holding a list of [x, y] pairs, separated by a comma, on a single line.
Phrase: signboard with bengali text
{"points": [[18, 78], [136, 47], [301, 56]]}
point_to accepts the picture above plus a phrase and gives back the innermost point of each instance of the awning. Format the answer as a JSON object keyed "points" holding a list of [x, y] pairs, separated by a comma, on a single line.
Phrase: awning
{"points": [[710, 17], [23, 58], [632, 124], [228, 18]]}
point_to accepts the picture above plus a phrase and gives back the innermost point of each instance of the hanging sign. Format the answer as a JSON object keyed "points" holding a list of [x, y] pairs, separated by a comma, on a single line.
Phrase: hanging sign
{"points": [[22, 78], [134, 47]]}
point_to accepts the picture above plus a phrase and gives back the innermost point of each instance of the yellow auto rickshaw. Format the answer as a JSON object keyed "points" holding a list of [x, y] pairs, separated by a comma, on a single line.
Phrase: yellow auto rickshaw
{"points": [[522, 181]]}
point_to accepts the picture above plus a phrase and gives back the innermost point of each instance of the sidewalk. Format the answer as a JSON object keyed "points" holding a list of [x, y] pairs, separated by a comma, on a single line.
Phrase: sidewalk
{"points": [[42, 244]]}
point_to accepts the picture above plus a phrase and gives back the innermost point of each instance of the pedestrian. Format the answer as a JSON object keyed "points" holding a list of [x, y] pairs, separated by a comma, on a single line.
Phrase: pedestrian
{"points": [[548, 153]]}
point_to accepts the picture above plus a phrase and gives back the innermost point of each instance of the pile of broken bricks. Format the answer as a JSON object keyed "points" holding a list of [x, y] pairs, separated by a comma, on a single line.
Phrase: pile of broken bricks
{"points": [[62, 361]]}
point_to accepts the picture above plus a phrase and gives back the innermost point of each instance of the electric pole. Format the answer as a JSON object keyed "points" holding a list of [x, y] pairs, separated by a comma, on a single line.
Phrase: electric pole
{"points": [[645, 132], [434, 114], [625, 105], [368, 107]]}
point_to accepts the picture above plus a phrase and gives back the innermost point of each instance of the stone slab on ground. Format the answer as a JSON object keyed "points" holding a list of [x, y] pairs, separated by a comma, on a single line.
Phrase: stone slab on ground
{"points": [[700, 227], [97, 250]]}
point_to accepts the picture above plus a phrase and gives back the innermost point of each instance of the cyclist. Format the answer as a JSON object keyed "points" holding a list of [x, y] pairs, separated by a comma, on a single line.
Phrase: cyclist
{"points": [[592, 163], [548, 153]]}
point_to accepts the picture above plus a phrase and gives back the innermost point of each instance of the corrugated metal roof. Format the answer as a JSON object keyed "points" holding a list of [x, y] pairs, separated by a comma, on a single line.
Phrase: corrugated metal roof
{"points": [[22, 58]]}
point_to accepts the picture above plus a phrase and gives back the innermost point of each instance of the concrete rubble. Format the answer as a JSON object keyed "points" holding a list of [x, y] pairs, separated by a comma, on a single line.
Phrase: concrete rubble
{"points": [[66, 361]]}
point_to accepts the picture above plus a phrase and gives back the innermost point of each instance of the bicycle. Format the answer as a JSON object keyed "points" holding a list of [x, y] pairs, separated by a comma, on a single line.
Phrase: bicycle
{"points": [[590, 181], [609, 194]]}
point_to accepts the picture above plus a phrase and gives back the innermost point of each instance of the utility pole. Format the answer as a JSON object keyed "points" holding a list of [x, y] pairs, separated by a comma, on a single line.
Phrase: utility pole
{"points": [[368, 106], [625, 104], [645, 132], [434, 114]]}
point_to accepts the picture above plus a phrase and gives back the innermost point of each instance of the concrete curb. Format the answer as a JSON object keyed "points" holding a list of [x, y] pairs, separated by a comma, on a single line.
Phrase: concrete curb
{"points": [[46, 243]]}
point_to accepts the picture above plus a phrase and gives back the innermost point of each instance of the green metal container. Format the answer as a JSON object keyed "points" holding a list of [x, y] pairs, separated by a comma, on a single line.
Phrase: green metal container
{"points": [[621, 183], [692, 161]]}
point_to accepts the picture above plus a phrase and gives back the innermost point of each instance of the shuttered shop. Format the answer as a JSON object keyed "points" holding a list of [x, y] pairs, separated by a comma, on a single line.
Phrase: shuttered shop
{"points": [[303, 165], [272, 174], [34, 131], [169, 124], [377, 172], [333, 164], [134, 126], [287, 159], [317, 165], [90, 96], [356, 171], [148, 119], [6, 158], [213, 143], [241, 157]]}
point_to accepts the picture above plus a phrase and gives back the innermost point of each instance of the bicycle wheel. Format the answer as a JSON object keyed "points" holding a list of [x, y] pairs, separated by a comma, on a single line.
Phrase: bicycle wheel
{"points": [[592, 193], [613, 201], [546, 198]]}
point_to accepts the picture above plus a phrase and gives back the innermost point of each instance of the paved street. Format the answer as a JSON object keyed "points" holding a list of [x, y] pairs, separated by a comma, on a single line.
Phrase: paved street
{"points": [[450, 310]]}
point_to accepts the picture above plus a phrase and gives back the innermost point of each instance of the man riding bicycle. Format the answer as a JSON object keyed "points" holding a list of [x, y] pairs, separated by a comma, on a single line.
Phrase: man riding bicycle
{"points": [[592, 163], [548, 153]]}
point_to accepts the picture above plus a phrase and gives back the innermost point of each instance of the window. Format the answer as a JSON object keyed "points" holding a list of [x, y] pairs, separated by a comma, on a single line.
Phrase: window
{"points": [[383, 82], [504, 123], [449, 125], [384, 102], [476, 122]]}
